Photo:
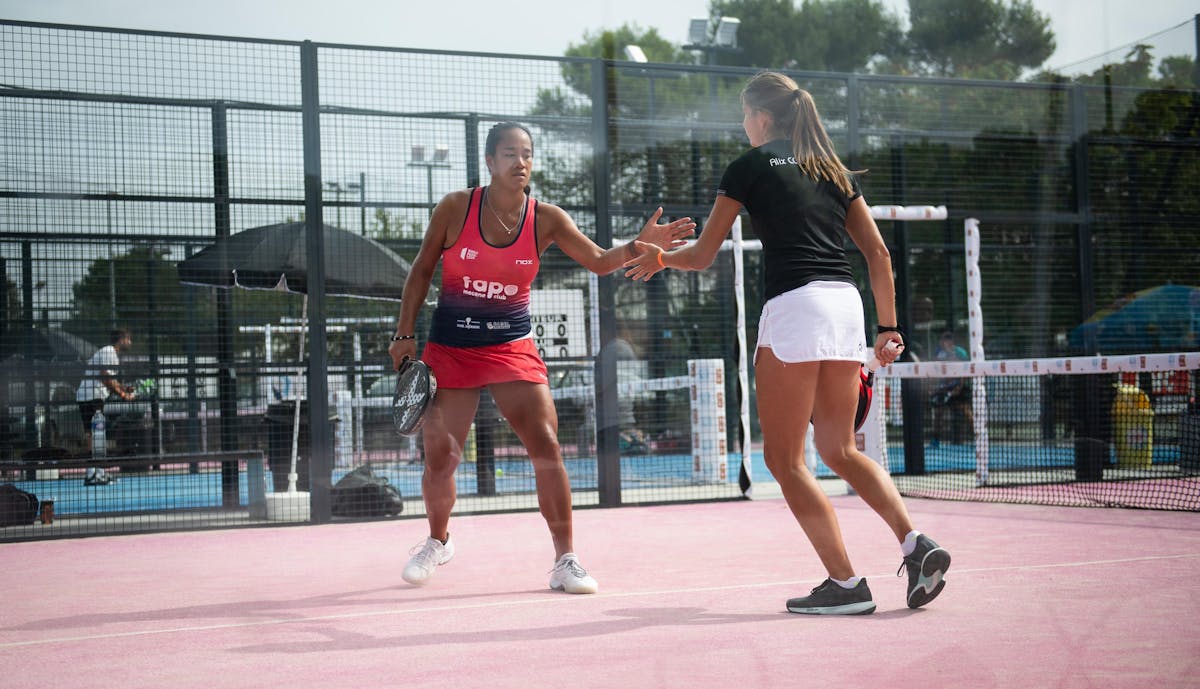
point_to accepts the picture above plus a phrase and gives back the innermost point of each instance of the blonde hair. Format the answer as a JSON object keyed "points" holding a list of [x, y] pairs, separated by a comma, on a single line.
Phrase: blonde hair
{"points": [[794, 111]]}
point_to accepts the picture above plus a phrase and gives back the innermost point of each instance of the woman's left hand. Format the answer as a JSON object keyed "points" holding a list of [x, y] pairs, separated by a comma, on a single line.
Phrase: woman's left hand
{"points": [[885, 353], [646, 263], [668, 235]]}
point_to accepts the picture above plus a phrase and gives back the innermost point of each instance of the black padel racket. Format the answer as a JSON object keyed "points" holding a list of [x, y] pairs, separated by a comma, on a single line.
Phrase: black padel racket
{"points": [[415, 388]]}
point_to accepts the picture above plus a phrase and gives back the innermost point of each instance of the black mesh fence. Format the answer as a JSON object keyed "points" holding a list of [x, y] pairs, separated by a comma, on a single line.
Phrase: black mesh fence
{"points": [[129, 152]]}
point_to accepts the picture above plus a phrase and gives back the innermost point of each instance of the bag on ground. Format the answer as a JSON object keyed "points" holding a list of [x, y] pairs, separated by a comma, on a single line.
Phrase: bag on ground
{"points": [[361, 493], [17, 507]]}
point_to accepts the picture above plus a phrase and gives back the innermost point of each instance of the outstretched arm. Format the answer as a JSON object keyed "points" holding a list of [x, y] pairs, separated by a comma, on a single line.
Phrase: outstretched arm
{"points": [[561, 229], [696, 256]]}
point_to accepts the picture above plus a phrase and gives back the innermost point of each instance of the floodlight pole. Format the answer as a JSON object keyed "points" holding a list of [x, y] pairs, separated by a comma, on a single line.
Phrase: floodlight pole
{"points": [[429, 165], [362, 203]]}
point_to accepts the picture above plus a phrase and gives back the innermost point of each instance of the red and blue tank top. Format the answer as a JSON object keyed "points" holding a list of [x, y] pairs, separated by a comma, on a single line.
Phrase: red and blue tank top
{"points": [[485, 287]]}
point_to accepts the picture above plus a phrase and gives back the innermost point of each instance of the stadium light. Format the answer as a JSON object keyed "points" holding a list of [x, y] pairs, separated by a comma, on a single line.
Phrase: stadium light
{"points": [[727, 32], [724, 39], [635, 53]]}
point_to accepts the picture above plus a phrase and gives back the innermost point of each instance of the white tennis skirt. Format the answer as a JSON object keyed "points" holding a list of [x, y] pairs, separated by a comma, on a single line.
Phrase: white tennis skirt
{"points": [[820, 321]]}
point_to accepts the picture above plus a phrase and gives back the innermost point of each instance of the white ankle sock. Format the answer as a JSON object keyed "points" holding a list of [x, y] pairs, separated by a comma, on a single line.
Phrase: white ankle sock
{"points": [[847, 584], [910, 543]]}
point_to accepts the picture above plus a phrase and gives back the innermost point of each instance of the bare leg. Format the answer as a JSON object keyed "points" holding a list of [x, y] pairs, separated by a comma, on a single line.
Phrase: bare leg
{"points": [[785, 394], [530, 410], [444, 434], [833, 426]]}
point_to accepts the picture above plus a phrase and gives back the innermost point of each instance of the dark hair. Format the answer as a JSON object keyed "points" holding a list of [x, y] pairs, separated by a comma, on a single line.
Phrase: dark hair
{"points": [[497, 130], [948, 335], [118, 334]]}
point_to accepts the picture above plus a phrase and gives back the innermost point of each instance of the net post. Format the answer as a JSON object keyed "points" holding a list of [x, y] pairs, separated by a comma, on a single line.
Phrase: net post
{"points": [[971, 245], [709, 447]]}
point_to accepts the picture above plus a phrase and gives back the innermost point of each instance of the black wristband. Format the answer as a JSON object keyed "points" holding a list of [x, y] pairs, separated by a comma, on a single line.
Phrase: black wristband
{"points": [[881, 329], [397, 338]]}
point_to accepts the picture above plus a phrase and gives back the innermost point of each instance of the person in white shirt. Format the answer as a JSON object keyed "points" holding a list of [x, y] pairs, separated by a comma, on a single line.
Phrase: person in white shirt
{"points": [[98, 384]]}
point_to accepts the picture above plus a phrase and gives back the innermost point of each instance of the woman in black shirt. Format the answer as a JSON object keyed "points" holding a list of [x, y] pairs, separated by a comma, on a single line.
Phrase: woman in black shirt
{"points": [[803, 201]]}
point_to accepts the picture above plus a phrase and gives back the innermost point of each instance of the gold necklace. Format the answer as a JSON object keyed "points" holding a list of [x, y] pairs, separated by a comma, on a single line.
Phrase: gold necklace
{"points": [[503, 224]]}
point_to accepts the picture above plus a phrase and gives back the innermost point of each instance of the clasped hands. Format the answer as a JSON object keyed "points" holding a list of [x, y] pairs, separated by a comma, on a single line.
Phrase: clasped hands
{"points": [[652, 241]]}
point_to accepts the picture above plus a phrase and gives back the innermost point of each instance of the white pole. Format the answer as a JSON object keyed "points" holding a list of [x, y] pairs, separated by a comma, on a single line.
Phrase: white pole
{"points": [[971, 243], [356, 433], [292, 476], [739, 290]]}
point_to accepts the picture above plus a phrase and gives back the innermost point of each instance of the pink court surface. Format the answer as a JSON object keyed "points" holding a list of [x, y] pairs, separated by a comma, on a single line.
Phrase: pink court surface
{"points": [[691, 596]]}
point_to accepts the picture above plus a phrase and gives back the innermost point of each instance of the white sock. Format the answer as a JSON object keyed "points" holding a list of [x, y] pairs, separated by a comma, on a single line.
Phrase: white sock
{"points": [[910, 543], [847, 584]]}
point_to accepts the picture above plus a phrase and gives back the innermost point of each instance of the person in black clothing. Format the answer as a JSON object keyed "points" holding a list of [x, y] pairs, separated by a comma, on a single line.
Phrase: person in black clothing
{"points": [[803, 202]]}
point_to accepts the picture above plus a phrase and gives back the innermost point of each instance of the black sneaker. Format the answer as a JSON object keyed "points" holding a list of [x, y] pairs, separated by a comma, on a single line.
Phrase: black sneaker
{"points": [[927, 567], [831, 599]]}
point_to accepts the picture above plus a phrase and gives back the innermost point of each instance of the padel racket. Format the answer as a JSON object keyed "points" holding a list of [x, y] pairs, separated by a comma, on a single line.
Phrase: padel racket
{"points": [[866, 386], [415, 388]]}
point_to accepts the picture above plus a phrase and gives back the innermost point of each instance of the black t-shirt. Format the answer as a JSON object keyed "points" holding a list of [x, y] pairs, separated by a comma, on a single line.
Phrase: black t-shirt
{"points": [[801, 222]]}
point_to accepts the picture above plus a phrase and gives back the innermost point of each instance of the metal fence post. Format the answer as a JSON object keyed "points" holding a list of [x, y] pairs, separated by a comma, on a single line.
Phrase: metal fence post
{"points": [[226, 381], [1083, 206], [608, 451], [320, 439]]}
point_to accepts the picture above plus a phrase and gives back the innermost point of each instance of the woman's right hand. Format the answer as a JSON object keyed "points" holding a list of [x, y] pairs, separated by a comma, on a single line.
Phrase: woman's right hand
{"points": [[400, 350]]}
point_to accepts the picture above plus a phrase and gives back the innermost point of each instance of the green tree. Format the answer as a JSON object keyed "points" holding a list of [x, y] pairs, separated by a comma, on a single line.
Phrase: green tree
{"points": [[1177, 71], [147, 290], [819, 35], [977, 38]]}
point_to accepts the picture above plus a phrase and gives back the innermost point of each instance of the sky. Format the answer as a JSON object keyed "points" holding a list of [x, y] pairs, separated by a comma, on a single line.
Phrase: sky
{"points": [[1083, 28]]}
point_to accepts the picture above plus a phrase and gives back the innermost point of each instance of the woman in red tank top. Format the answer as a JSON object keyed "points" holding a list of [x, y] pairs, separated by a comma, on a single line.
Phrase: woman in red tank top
{"points": [[480, 337]]}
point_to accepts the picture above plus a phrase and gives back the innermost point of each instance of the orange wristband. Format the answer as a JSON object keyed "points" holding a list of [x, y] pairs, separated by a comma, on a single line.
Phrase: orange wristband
{"points": [[660, 261]]}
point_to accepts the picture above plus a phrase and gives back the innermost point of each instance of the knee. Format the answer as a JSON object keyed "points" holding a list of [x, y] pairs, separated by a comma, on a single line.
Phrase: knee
{"points": [[784, 464], [546, 455], [441, 459], [836, 456], [541, 441]]}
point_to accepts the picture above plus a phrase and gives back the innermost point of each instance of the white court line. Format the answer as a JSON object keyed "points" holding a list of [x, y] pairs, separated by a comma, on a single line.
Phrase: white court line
{"points": [[535, 601]]}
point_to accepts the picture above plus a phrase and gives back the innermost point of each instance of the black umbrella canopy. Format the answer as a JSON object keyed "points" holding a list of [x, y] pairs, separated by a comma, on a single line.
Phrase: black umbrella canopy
{"points": [[46, 344], [275, 257]]}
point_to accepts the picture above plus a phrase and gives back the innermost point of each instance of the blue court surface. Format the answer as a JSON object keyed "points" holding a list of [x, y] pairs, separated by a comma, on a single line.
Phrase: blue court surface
{"points": [[155, 490]]}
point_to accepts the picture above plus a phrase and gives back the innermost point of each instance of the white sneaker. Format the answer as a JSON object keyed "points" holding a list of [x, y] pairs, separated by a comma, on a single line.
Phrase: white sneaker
{"points": [[570, 576], [425, 558]]}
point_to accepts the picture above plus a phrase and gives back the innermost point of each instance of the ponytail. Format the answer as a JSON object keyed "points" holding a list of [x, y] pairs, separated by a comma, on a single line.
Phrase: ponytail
{"points": [[812, 147]]}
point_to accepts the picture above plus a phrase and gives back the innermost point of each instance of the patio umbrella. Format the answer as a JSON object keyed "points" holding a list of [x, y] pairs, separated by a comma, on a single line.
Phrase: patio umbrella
{"points": [[46, 344], [275, 257], [1162, 318]]}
